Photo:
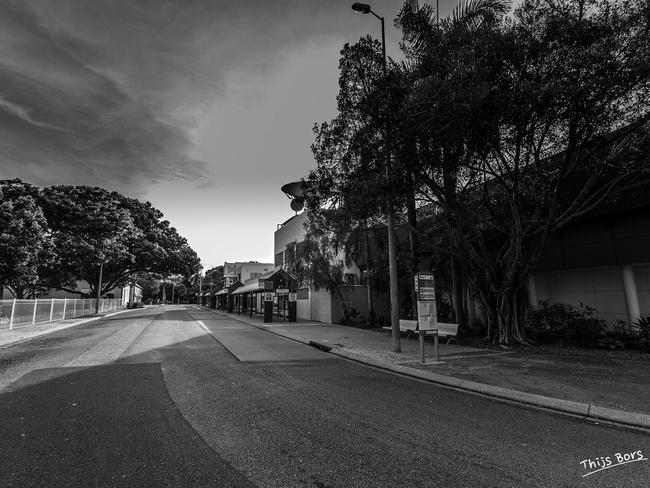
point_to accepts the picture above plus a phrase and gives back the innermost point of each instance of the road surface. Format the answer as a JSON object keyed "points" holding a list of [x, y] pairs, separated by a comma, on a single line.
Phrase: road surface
{"points": [[181, 396]]}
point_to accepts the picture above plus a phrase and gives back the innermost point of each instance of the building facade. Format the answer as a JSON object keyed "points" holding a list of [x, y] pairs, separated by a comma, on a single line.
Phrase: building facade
{"points": [[320, 305], [602, 261]]}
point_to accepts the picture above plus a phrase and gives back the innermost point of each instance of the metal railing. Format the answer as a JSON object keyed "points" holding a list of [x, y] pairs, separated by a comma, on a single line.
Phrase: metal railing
{"points": [[15, 313]]}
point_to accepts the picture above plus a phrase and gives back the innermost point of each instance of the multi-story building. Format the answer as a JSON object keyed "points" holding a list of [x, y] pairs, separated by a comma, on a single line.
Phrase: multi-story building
{"points": [[243, 271], [319, 304]]}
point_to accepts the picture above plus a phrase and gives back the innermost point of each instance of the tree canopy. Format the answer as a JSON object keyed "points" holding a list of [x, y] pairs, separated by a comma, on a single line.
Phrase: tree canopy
{"points": [[86, 227], [25, 243], [508, 126]]}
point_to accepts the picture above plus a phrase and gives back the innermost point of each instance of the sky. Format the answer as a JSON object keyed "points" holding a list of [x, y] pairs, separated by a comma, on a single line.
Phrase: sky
{"points": [[205, 108]]}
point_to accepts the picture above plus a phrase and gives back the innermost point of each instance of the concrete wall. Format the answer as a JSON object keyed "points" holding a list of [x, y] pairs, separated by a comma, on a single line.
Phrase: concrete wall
{"points": [[303, 309], [321, 306], [612, 240], [601, 288], [585, 262], [292, 230]]}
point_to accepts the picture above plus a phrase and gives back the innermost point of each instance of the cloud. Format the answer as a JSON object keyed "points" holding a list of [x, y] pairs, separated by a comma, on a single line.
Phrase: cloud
{"points": [[111, 92], [22, 113]]}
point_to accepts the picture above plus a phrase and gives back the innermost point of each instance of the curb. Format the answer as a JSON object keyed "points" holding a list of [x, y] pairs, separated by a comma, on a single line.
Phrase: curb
{"points": [[585, 410], [58, 328]]}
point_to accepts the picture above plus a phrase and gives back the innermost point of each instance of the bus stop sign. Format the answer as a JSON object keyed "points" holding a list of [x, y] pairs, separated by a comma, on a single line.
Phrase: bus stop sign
{"points": [[425, 292]]}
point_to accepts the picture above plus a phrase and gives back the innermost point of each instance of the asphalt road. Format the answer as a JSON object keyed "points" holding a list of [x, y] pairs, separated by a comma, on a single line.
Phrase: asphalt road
{"points": [[178, 396]]}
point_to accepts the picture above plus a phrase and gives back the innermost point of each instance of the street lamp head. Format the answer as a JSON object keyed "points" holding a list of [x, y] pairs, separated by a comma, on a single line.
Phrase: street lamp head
{"points": [[362, 8]]}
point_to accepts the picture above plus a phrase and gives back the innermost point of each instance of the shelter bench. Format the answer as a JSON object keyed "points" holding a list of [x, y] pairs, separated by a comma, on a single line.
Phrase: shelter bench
{"points": [[445, 330]]}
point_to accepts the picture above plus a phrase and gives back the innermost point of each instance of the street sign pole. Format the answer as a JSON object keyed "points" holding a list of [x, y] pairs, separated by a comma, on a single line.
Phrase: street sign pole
{"points": [[425, 293]]}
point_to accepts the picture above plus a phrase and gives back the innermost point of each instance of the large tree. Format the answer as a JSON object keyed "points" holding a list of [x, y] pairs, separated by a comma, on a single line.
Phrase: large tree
{"points": [[25, 243], [214, 278], [523, 125], [346, 194], [94, 228]]}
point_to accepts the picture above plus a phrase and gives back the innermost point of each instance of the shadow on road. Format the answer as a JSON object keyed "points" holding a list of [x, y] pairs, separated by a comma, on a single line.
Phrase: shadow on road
{"points": [[111, 425]]}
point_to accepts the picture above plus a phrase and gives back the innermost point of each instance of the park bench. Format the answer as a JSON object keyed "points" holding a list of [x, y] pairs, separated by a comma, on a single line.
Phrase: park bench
{"points": [[445, 330]]}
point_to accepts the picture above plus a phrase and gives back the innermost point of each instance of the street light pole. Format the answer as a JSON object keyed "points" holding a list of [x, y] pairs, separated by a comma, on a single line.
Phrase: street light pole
{"points": [[390, 214], [99, 285]]}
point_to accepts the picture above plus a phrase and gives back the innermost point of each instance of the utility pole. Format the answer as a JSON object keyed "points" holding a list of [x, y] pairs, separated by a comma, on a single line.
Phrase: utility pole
{"points": [[390, 211]]}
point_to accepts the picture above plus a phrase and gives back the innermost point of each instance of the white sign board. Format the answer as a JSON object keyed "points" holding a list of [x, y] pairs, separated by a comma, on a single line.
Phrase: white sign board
{"points": [[268, 297], [282, 291], [293, 297], [427, 316]]}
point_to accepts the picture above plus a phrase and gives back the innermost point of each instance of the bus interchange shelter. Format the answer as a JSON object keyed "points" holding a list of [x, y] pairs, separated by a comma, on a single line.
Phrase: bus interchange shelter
{"points": [[224, 298], [250, 297]]}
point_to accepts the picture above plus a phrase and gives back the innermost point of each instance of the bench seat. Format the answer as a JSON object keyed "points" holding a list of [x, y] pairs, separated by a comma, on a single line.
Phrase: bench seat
{"points": [[445, 329]]}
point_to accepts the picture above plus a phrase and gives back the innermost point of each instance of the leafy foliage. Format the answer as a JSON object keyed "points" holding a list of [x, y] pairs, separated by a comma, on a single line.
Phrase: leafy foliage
{"points": [[565, 323], [623, 337], [214, 276], [150, 285], [314, 264], [74, 229], [523, 125], [509, 127], [25, 243]]}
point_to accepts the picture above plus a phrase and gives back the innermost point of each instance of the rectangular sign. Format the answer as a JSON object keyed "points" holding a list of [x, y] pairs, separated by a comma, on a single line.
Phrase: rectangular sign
{"points": [[427, 293], [293, 297], [427, 316], [282, 291], [268, 297], [424, 287]]}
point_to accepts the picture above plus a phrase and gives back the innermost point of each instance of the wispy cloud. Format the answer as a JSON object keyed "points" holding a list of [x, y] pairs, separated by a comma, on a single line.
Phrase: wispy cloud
{"points": [[23, 114], [111, 92]]}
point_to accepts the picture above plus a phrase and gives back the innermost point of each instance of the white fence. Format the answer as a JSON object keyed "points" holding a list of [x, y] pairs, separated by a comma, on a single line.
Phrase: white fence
{"points": [[15, 313]]}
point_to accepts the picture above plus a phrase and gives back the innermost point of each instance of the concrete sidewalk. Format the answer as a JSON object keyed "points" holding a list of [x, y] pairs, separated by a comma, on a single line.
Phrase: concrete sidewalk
{"points": [[612, 390], [28, 332]]}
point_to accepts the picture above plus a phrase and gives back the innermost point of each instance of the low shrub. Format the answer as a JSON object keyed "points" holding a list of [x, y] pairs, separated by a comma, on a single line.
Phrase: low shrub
{"points": [[622, 336], [561, 322], [355, 319]]}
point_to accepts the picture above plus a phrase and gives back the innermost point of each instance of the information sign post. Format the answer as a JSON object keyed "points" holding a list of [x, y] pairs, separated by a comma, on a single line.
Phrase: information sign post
{"points": [[425, 292]]}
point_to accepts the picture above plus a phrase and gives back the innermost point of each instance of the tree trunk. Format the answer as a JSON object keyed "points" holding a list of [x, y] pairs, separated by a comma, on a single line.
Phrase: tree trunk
{"points": [[509, 312], [456, 280]]}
